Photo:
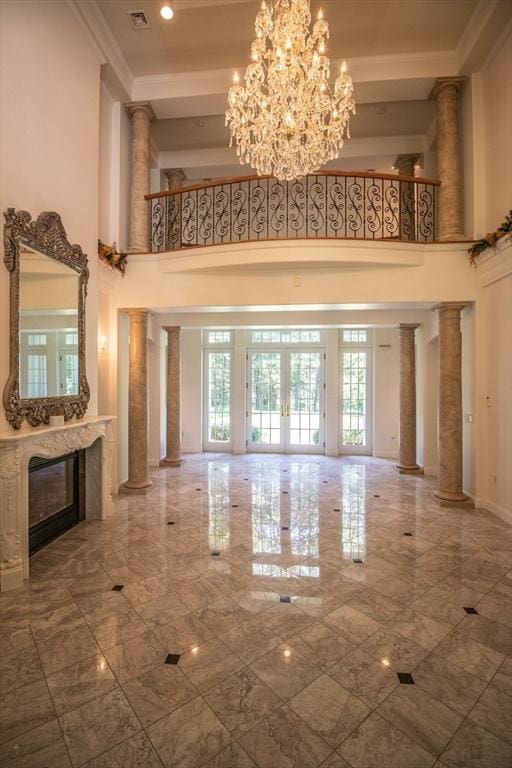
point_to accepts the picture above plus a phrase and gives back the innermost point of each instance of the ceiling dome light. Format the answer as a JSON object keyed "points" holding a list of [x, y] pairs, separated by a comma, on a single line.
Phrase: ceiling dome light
{"points": [[166, 12]]}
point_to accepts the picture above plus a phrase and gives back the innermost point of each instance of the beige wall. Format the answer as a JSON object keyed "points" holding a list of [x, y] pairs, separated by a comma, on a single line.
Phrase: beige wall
{"points": [[49, 138], [386, 383]]}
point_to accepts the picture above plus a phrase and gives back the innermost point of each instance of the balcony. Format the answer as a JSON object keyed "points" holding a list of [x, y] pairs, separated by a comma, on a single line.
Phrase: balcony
{"points": [[325, 206]]}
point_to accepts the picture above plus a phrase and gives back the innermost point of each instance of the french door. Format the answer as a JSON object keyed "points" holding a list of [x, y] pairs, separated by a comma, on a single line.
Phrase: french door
{"points": [[285, 400]]}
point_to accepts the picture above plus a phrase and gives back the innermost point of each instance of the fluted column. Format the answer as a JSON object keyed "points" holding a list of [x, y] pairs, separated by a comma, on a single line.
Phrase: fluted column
{"points": [[138, 467], [407, 455], [449, 489], [173, 431], [141, 114], [446, 94]]}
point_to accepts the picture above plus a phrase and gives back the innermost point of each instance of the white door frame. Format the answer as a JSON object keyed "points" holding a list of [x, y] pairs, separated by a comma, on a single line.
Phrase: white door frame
{"points": [[285, 446]]}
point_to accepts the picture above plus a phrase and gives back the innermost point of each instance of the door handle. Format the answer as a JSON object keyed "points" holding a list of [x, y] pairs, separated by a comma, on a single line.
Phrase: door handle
{"points": [[282, 409], [287, 410]]}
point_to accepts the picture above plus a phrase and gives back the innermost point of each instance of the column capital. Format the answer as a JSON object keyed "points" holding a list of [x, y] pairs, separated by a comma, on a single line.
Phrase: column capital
{"points": [[137, 314], [408, 326], [140, 106], [445, 82], [405, 164], [171, 328], [455, 306], [175, 177]]}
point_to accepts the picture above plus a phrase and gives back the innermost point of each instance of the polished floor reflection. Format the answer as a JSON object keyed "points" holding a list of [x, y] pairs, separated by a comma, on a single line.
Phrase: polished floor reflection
{"points": [[269, 611]]}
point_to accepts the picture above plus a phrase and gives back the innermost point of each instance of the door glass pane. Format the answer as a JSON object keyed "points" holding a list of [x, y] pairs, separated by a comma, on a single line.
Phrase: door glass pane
{"points": [[305, 398], [219, 397], [354, 377], [265, 426]]}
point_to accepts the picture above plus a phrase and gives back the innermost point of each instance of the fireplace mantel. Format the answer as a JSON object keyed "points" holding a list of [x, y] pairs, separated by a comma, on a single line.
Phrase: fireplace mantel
{"points": [[16, 450]]}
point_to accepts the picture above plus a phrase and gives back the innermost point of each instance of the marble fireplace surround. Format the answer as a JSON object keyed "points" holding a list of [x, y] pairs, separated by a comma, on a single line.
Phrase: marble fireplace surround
{"points": [[16, 450]]}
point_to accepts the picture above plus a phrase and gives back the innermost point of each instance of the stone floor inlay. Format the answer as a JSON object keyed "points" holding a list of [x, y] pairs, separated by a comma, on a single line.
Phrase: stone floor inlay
{"points": [[265, 621]]}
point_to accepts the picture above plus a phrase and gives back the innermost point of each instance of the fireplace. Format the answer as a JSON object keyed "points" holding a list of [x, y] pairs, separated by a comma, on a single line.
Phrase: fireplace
{"points": [[56, 497]]}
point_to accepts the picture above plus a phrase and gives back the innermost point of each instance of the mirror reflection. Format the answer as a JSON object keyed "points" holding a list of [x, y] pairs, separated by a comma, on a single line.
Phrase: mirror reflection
{"points": [[48, 327]]}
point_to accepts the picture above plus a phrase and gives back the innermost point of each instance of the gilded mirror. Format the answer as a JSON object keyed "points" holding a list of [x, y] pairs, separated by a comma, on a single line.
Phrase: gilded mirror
{"points": [[48, 286]]}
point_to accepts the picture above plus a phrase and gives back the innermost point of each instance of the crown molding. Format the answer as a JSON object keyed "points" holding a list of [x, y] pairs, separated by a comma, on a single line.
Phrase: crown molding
{"points": [[93, 23], [478, 40]]}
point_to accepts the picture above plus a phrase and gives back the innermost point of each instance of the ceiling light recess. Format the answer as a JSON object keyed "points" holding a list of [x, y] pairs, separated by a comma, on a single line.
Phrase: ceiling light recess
{"points": [[285, 119]]}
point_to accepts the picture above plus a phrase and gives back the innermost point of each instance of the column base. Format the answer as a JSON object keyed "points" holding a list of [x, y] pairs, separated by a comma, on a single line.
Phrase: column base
{"points": [[171, 462], [415, 469], [450, 237], [129, 487], [446, 499], [11, 577]]}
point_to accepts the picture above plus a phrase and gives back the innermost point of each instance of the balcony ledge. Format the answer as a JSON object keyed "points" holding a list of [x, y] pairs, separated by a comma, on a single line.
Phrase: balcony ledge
{"points": [[314, 254]]}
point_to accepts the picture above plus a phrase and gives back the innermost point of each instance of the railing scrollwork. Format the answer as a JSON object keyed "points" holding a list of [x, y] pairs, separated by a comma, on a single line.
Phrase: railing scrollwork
{"points": [[326, 205]]}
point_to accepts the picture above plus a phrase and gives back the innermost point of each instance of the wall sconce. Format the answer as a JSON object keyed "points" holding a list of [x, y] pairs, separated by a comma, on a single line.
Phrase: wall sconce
{"points": [[102, 343]]}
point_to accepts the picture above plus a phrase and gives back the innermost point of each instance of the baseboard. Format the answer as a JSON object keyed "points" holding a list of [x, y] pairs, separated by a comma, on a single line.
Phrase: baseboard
{"points": [[501, 512], [385, 454], [430, 471]]}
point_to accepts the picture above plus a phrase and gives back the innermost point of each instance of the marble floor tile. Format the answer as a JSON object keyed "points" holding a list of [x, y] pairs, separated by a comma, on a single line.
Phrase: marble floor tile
{"points": [[207, 664], [283, 740], [352, 625], [135, 752], [19, 668], [41, 747], [420, 628], [365, 677], [450, 684], [223, 615], [321, 645], [377, 743], [183, 633], [80, 682], [376, 606], [474, 657], [394, 650], [488, 632], [158, 692], [231, 757], [475, 747], [324, 653], [190, 736], [66, 648], [285, 671], [136, 656], [503, 677], [24, 708], [331, 711], [250, 640], [424, 719], [97, 726], [242, 700], [286, 620], [493, 711]]}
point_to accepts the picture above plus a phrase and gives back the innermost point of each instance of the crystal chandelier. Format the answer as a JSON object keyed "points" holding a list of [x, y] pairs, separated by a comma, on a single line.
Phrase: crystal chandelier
{"points": [[286, 121]]}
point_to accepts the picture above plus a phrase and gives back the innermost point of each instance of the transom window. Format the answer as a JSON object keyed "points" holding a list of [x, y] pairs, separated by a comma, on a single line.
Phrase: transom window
{"points": [[219, 337], [354, 336], [285, 337], [36, 339]]}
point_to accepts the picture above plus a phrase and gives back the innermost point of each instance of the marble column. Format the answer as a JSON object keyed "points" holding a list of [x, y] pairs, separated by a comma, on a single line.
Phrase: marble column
{"points": [[176, 178], [138, 466], [141, 115], [449, 221], [173, 425], [449, 491], [407, 455], [405, 166]]}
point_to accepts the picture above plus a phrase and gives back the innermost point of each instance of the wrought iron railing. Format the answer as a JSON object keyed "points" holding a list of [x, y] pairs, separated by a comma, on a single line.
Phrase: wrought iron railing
{"points": [[326, 205]]}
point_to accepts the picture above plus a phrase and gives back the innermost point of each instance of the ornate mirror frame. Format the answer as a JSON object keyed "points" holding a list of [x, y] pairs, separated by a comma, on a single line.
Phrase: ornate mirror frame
{"points": [[47, 236]]}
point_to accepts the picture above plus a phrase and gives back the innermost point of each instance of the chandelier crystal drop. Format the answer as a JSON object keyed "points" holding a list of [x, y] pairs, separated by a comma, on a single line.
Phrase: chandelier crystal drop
{"points": [[286, 121]]}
